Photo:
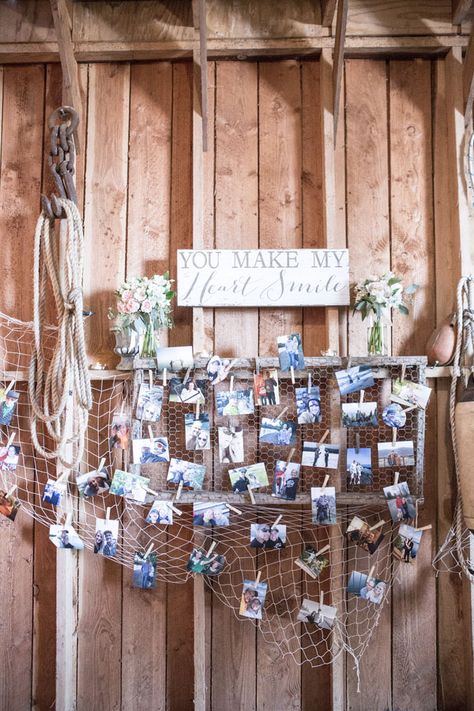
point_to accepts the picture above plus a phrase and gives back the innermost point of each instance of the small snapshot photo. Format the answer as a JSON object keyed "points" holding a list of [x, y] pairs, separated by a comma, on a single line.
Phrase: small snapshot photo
{"points": [[323, 505], [357, 378], [8, 403], [285, 480], [370, 589], [322, 616], [280, 432], [237, 402], [398, 454], [218, 369], [197, 431], [131, 486], [200, 562], [175, 358], [231, 445], [308, 405], [359, 532], [9, 458], [151, 451], [53, 491], [144, 570], [93, 483], [264, 535], [120, 431], [312, 562], [9, 505], [321, 455], [290, 352], [106, 536], [359, 414], [266, 388], [207, 514], [394, 415], [359, 466], [190, 393], [253, 599], [405, 547], [160, 513], [65, 537], [400, 502], [190, 473], [252, 477], [408, 393], [149, 403]]}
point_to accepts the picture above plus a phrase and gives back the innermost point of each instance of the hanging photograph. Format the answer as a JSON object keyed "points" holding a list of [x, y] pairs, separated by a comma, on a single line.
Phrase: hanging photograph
{"points": [[144, 570], [9, 457], [285, 480], [405, 547], [321, 455], [394, 415], [9, 505], [308, 405], [353, 379], [120, 431], [290, 352], [106, 536], [398, 454], [400, 502], [359, 532], [150, 451], [191, 393], [359, 466], [190, 473], [263, 535], [408, 393], [65, 537], [175, 358], [280, 432], [231, 445], [218, 369], [149, 403], [359, 414], [132, 486], [160, 513], [253, 599], [250, 477], [323, 616], [235, 403], [312, 562], [200, 562], [323, 505], [53, 492], [197, 431], [207, 514], [266, 388], [93, 483], [8, 403], [370, 589]]}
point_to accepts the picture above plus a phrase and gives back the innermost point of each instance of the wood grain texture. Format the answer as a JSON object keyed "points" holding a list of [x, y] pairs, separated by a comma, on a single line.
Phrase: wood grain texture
{"points": [[399, 17], [26, 21]]}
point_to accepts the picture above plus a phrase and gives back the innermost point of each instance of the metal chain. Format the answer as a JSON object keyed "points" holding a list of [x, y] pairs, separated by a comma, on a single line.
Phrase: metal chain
{"points": [[61, 159]]}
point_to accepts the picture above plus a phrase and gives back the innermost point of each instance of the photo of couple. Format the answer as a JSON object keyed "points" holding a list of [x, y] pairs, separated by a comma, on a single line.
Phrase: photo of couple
{"points": [[266, 389], [200, 562], [290, 352], [359, 465], [285, 480], [279, 432], [251, 477], [106, 535], [308, 405], [253, 599], [262, 535]]}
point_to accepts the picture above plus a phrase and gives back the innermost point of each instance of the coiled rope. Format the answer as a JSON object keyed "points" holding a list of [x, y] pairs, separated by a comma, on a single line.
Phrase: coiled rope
{"points": [[60, 393]]}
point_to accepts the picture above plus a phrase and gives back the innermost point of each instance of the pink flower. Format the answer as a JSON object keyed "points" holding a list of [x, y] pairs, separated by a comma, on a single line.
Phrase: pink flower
{"points": [[146, 306], [121, 307], [127, 295], [131, 306]]}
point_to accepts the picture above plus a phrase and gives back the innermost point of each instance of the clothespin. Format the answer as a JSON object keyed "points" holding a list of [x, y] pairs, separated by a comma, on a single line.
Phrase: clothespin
{"points": [[64, 476], [282, 413], [309, 381], [277, 521], [323, 550], [179, 490], [149, 491], [198, 409], [361, 397], [150, 378], [11, 491], [107, 513], [232, 508], [211, 548], [257, 579], [68, 521], [251, 494], [371, 572], [404, 370], [150, 433], [164, 377], [148, 551], [292, 451], [396, 478], [349, 361], [323, 438], [428, 527], [292, 371], [321, 598], [377, 525], [257, 365], [10, 439], [173, 508], [9, 386], [101, 464], [186, 377], [231, 384], [409, 409], [326, 479], [394, 436], [122, 407], [357, 447]]}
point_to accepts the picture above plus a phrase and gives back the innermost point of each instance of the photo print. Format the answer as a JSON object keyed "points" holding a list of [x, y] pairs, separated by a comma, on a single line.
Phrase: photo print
{"points": [[149, 403], [406, 544], [312, 562], [251, 477], [398, 454], [266, 388], [400, 502], [218, 369], [120, 431], [191, 393], [207, 514], [394, 415], [253, 599], [190, 473], [132, 486], [54, 490], [323, 616], [280, 432], [308, 405], [264, 535], [106, 536], [285, 480], [290, 352], [323, 505], [370, 589], [9, 505], [9, 456], [93, 483], [200, 562], [408, 394], [65, 537], [359, 532], [145, 568], [235, 403], [359, 466], [150, 451], [160, 513], [353, 379], [359, 414], [231, 445], [8, 403], [197, 431], [175, 358], [321, 455]]}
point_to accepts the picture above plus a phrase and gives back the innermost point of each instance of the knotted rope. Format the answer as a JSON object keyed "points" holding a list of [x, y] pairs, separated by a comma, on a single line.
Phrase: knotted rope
{"points": [[60, 393]]}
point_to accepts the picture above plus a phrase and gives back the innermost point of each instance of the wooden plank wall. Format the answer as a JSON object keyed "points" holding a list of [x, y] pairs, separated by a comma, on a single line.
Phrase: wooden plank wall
{"points": [[263, 187]]}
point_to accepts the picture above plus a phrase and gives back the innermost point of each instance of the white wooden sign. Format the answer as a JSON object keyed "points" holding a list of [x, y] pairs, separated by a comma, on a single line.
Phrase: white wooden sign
{"points": [[263, 277]]}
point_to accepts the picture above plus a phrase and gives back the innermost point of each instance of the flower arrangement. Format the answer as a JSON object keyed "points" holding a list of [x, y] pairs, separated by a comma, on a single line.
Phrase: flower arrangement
{"points": [[374, 297]]}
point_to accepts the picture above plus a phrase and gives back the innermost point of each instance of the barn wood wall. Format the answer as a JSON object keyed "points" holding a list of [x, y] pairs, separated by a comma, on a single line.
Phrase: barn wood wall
{"points": [[263, 187]]}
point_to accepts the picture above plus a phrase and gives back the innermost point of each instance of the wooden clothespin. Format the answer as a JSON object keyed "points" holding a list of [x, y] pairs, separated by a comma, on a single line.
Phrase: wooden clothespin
{"points": [[309, 381], [326, 479], [9, 386], [394, 436], [101, 465], [68, 521], [164, 377], [257, 365], [232, 508], [150, 378], [150, 433], [211, 548], [11, 491], [107, 513], [428, 527], [292, 451], [321, 598], [10, 439], [179, 490], [323, 550], [324, 437], [371, 572], [187, 374], [251, 494], [404, 370], [349, 361], [377, 525], [122, 407], [149, 491], [277, 521], [357, 447], [173, 508], [396, 478], [292, 371], [257, 579], [231, 384], [361, 397], [148, 551], [198, 409], [64, 476], [282, 413]]}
